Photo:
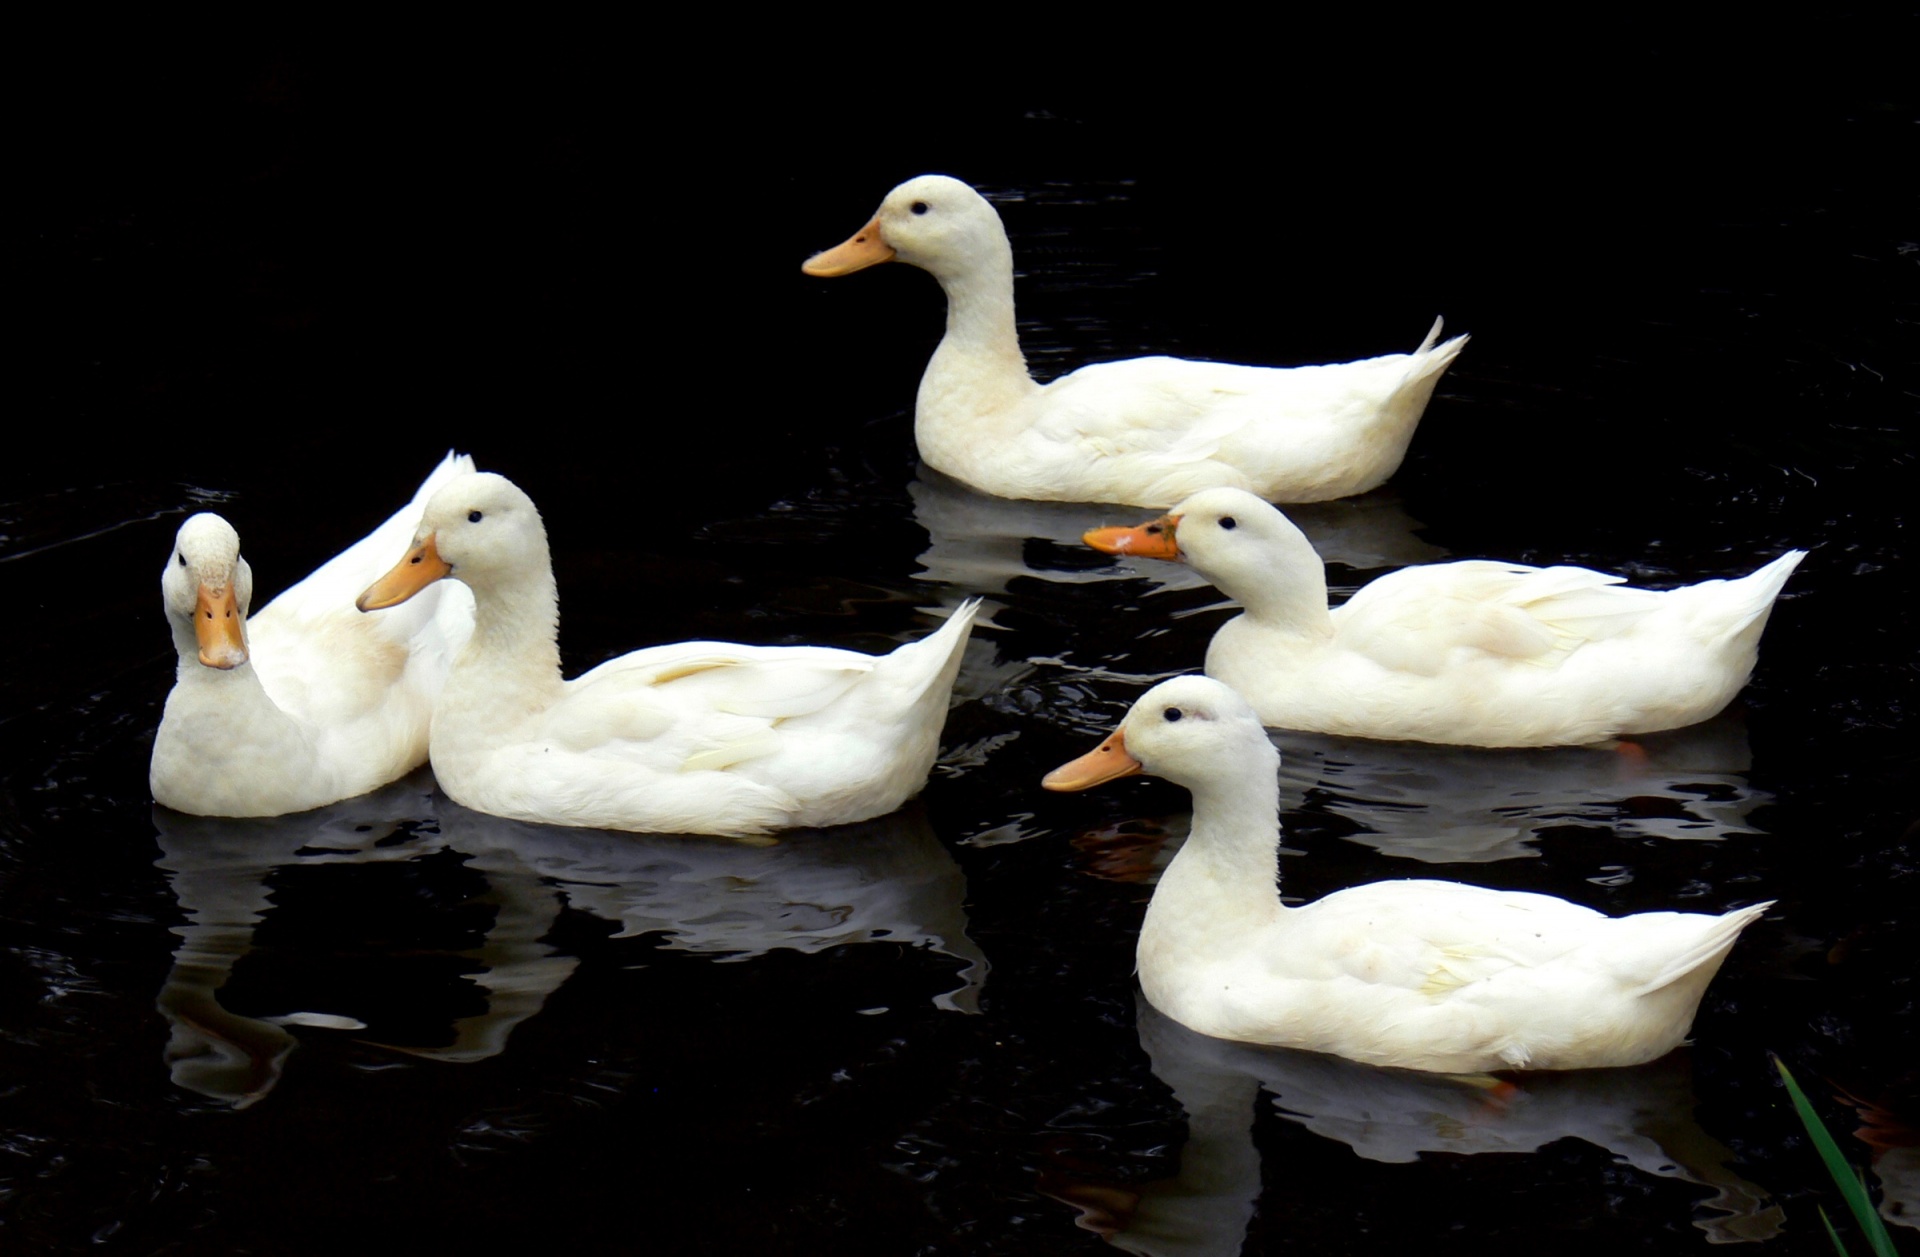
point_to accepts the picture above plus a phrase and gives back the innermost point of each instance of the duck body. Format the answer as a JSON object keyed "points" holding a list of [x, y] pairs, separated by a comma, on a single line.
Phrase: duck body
{"points": [[308, 702], [1144, 431], [1437, 975], [696, 737], [1416, 974], [1475, 653]]}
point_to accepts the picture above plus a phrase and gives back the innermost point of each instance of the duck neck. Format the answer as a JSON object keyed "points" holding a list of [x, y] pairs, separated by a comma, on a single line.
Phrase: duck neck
{"points": [[514, 654], [225, 747], [1226, 875], [238, 685], [1289, 596], [978, 370], [237, 690]]}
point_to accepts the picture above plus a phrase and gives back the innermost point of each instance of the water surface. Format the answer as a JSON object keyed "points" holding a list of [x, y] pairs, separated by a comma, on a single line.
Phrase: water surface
{"points": [[397, 1018]]}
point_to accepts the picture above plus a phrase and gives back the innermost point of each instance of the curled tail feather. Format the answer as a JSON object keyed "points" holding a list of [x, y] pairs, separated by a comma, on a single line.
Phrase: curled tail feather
{"points": [[1431, 358], [1433, 335]]}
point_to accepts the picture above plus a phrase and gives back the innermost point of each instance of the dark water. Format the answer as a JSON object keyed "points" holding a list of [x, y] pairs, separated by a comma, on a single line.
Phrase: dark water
{"points": [[281, 287]]}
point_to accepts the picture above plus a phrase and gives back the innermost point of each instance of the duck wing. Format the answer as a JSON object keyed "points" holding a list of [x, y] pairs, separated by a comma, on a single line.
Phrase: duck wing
{"points": [[1438, 938], [1416, 619], [707, 705], [325, 662]]}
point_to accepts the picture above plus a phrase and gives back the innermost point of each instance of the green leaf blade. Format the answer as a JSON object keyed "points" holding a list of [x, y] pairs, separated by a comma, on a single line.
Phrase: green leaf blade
{"points": [[1852, 1185]]}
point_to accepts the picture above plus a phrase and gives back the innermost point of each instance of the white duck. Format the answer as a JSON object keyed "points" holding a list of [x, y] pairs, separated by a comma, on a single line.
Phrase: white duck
{"points": [[1477, 653], [308, 702], [699, 737], [1145, 431], [1415, 974]]}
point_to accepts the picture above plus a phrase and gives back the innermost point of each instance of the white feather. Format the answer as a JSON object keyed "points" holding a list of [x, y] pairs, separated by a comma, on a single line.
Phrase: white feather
{"points": [[1476, 653], [329, 704], [696, 737], [1145, 431], [1416, 974]]}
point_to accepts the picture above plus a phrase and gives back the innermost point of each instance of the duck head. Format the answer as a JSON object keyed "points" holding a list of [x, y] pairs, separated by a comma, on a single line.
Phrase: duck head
{"points": [[934, 222], [1191, 730], [208, 588], [479, 528], [1237, 541]]}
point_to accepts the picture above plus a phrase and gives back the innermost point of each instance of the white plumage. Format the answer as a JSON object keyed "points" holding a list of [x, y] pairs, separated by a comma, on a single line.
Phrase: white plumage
{"points": [[1416, 974], [698, 737], [1477, 653], [308, 702], [1145, 431]]}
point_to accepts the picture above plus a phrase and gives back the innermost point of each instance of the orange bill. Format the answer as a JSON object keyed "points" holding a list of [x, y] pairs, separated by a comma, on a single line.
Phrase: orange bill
{"points": [[1152, 541], [216, 624], [422, 566], [865, 249], [1103, 763]]}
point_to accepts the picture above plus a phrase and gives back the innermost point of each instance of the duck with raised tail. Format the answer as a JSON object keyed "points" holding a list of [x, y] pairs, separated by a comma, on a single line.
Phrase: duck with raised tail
{"points": [[1475, 653], [1141, 432], [308, 702], [699, 737], [1414, 974]]}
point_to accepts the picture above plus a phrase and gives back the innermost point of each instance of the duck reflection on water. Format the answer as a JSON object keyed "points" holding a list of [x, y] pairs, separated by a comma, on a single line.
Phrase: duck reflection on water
{"points": [[1458, 805], [1463, 805], [1643, 1116], [981, 544], [886, 880], [221, 871], [1891, 1132]]}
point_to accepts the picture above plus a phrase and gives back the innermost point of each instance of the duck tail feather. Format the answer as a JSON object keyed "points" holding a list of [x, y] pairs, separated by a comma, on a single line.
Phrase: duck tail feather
{"points": [[1710, 948], [935, 657], [1435, 355]]}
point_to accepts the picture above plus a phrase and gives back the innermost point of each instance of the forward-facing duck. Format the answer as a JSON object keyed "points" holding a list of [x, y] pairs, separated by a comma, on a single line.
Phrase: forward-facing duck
{"points": [[308, 702]]}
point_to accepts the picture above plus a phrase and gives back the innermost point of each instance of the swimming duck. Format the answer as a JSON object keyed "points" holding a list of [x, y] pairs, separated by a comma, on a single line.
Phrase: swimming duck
{"points": [[1413, 974], [308, 702], [698, 737], [1477, 653], [1145, 431]]}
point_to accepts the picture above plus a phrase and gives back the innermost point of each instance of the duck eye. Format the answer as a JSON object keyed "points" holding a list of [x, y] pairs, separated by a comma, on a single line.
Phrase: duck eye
{"points": [[919, 207], [1228, 522], [474, 517], [181, 559], [1173, 714]]}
